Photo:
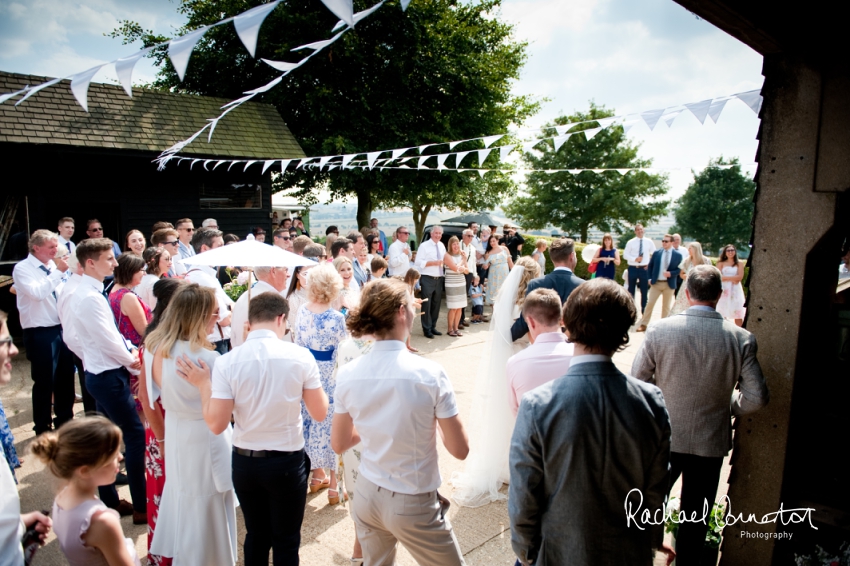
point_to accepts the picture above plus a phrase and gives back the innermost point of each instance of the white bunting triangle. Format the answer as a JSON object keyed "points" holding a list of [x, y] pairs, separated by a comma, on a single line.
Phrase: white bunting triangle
{"points": [[605, 122], [753, 99], [482, 172], [232, 163], [180, 49], [284, 66], [249, 164], [504, 151], [324, 160], [193, 163], [422, 161], [317, 45], [628, 124], [422, 148], [563, 129], [441, 160], [248, 24], [35, 89], [359, 15], [699, 109], [342, 9], [671, 115], [454, 144], [651, 117], [346, 159], [588, 134], [459, 157], [528, 146], [405, 159], [559, 141], [268, 163], [8, 95], [219, 162], [284, 163], [404, 5], [372, 157], [399, 152], [716, 108], [124, 70], [80, 86], [490, 140], [622, 171], [482, 155]]}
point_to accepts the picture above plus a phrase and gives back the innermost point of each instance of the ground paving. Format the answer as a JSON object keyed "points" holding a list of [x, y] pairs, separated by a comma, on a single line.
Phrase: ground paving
{"points": [[328, 531]]}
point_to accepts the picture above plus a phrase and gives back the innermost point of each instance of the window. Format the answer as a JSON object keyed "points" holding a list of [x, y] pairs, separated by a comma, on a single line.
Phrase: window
{"points": [[234, 195]]}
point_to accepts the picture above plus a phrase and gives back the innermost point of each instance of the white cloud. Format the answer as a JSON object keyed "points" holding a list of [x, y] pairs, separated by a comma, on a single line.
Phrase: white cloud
{"points": [[537, 21]]}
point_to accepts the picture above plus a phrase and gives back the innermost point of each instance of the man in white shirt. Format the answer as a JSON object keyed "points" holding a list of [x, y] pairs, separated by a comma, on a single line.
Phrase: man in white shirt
{"points": [[37, 279], [185, 230], [480, 242], [108, 360], [208, 239], [66, 232], [429, 260], [69, 336], [470, 254], [269, 280], [399, 254], [549, 355], [262, 384], [393, 401], [637, 253]]}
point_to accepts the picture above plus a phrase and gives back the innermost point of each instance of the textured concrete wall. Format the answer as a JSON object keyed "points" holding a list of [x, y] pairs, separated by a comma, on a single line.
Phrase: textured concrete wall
{"points": [[790, 217]]}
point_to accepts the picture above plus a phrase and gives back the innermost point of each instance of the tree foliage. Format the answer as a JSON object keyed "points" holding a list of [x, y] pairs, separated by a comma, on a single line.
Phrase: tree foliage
{"points": [[575, 203], [717, 208], [440, 71]]}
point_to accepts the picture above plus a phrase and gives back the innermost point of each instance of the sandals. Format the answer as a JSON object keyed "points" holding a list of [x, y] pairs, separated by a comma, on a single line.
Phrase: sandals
{"points": [[317, 485], [335, 499], [455, 333]]}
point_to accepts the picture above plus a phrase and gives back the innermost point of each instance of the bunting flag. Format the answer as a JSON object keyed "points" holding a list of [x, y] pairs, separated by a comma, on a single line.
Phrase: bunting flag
{"points": [[247, 25]]}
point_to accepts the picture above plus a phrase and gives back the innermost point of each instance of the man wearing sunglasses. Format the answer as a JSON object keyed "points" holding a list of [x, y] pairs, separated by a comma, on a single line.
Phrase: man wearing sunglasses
{"points": [[168, 238], [185, 231], [283, 239], [399, 252], [94, 229]]}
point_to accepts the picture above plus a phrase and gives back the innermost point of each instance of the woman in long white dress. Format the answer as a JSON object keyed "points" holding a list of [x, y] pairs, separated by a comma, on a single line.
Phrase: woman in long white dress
{"points": [[731, 303], [487, 464], [197, 513], [694, 258]]}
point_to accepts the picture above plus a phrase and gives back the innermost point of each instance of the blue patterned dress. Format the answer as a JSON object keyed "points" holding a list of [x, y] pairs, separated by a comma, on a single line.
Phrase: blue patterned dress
{"points": [[498, 273], [7, 443], [321, 334]]}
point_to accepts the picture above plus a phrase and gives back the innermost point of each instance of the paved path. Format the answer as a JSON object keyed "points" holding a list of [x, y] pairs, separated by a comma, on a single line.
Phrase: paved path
{"points": [[328, 532]]}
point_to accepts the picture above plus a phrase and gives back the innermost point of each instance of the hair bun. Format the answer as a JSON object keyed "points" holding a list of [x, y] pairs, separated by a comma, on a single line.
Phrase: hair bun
{"points": [[46, 447]]}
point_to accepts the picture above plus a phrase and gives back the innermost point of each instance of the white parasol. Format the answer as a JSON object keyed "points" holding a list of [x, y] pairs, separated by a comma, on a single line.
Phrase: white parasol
{"points": [[587, 253], [249, 253]]}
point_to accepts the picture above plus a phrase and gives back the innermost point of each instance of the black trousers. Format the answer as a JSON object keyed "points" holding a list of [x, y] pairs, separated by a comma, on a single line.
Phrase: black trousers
{"points": [[52, 367], [432, 289], [273, 495], [639, 276], [468, 278], [699, 485], [89, 404]]}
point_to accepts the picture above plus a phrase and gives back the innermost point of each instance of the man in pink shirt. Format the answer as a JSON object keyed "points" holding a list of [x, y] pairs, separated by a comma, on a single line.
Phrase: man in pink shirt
{"points": [[549, 355]]}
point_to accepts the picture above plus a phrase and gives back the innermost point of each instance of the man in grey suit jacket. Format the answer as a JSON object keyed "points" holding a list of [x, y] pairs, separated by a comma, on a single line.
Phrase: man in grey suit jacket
{"points": [[561, 280], [707, 369], [585, 443]]}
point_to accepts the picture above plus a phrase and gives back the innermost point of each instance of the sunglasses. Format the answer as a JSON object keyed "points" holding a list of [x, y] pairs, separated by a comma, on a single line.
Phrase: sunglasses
{"points": [[285, 239], [187, 229], [96, 229], [666, 241], [174, 243]]}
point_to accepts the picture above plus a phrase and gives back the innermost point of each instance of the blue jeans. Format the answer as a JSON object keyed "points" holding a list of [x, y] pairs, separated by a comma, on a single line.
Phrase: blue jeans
{"points": [[273, 495], [111, 390], [641, 275]]}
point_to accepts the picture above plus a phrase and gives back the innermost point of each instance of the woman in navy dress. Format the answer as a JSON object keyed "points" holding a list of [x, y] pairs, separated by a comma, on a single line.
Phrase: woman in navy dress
{"points": [[607, 258]]}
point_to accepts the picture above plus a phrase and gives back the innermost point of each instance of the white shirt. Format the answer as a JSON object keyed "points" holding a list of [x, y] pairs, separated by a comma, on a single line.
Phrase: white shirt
{"points": [[36, 289], [145, 290], [240, 312], [102, 347], [469, 253], [395, 399], [67, 244], [544, 361], [397, 260], [204, 275], [843, 272], [633, 248], [265, 378], [66, 316], [12, 528], [430, 251]]}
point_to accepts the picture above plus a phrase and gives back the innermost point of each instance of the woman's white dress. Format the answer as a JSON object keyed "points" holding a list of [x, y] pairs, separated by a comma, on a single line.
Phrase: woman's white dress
{"points": [[682, 304], [492, 420], [197, 513], [145, 290], [731, 303]]}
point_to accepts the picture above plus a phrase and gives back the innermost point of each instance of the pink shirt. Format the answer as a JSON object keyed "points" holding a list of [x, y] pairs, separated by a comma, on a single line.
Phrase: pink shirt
{"points": [[545, 360]]}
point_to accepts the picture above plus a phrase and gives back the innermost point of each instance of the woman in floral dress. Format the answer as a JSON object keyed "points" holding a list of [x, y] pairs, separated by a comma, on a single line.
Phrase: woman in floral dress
{"points": [[497, 259], [320, 329]]}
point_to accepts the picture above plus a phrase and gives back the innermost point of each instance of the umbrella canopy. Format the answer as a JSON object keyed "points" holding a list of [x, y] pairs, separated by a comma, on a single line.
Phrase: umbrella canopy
{"points": [[481, 218], [249, 253], [589, 251]]}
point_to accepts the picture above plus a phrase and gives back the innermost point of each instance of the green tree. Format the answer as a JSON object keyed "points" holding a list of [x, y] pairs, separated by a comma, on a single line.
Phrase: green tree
{"points": [[717, 208], [575, 203], [440, 71]]}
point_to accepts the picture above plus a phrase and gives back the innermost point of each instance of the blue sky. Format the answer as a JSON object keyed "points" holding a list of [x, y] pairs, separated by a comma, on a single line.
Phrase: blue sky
{"points": [[630, 55]]}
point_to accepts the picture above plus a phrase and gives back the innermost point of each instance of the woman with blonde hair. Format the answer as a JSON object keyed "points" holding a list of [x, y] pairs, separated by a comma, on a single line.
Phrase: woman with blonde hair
{"points": [[455, 269], [349, 296], [539, 254], [197, 512], [320, 329], [694, 259]]}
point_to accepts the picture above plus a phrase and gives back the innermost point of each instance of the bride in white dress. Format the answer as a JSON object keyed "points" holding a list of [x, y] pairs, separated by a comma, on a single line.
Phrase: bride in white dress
{"points": [[492, 421]]}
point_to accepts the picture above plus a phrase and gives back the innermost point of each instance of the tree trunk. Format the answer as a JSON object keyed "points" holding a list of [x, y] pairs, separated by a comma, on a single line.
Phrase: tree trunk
{"points": [[584, 229], [420, 216], [364, 208]]}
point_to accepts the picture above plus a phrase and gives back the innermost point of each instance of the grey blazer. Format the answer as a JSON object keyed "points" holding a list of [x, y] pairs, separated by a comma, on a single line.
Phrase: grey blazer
{"points": [[698, 359], [580, 445]]}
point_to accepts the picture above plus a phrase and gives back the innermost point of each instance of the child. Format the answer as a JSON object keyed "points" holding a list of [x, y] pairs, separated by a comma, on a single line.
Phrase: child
{"points": [[411, 279], [85, 452], [379, 267], [477, 295]]}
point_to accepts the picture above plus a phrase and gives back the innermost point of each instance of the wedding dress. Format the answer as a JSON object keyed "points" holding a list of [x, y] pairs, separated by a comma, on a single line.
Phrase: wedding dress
{"points": [[492, 421]]}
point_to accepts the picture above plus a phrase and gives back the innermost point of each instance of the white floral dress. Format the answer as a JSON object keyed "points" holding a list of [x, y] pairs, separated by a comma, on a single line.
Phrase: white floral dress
{"points": [[321, 334], [731, 303]]}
